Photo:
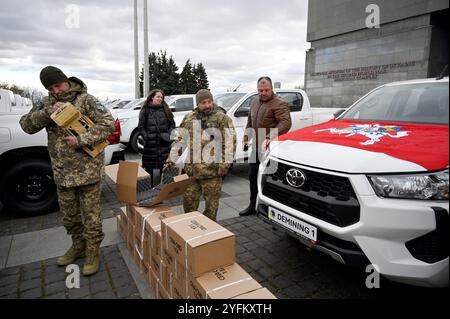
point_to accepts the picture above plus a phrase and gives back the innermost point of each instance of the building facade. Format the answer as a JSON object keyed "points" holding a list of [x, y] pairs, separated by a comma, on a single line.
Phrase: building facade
{"points": [[349, 56]]}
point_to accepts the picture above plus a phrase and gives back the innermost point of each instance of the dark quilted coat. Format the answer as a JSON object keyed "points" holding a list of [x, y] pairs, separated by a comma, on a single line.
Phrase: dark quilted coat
{"points": [[155, 128]]}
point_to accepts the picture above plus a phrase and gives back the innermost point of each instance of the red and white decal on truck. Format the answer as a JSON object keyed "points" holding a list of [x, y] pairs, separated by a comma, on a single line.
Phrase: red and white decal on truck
{"points": [[423, 144]]}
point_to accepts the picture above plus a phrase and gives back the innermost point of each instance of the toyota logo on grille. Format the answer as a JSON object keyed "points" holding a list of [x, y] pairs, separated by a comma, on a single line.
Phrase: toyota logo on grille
{"points": [[296, 178]]}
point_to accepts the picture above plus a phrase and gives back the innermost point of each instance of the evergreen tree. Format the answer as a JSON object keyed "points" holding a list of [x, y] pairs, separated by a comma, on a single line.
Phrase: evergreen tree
{"points": [[201, 78], [164, 75], [188, 83]]}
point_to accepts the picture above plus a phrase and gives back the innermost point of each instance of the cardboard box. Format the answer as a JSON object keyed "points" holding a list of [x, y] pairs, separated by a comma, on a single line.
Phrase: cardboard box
{"points": [[141, 214], [112, 170], [74, 123], [130, 237], [160, 270], [222, 283], [162, 293], [153, 226], [122, 224], [130, 214], [144, 269], [153, 280], [176, 272], [119, 225], [198, 243], [262, 293], [123, 212], [177, 293], [142, 247], [133, 189]]}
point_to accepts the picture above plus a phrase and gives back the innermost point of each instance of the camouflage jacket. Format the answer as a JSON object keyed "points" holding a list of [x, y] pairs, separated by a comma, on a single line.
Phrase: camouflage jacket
{"points": [[211, 142], [72, 167]]}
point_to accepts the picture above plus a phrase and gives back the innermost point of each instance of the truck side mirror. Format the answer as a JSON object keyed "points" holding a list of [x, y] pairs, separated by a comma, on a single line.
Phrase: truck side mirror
{"points": [[338, 113]]}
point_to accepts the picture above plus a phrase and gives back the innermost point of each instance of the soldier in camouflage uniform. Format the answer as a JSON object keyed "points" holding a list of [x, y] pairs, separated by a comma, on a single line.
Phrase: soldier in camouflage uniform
{"points": [[77, 175], [213, 165]]}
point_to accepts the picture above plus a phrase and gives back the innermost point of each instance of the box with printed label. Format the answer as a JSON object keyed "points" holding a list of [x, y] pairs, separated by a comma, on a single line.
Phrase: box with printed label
{"points": [[222, 283], [153, 226], [197, 242], [262, 293], [141, 214]]}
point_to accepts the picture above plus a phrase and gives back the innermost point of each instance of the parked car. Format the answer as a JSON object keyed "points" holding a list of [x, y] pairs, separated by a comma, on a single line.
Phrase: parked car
{"points": [[370, 187], [26, 180], [302, 114], [118, 104], [7, 100], [179, 104]]}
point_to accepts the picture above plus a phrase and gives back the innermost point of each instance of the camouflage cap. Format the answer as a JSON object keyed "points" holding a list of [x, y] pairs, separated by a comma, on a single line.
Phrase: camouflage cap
{"points": [[52, 75]]}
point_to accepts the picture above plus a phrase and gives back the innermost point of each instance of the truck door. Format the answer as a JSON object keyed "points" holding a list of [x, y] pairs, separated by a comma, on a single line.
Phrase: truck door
{"points": [[301, 117], [240, 118]]}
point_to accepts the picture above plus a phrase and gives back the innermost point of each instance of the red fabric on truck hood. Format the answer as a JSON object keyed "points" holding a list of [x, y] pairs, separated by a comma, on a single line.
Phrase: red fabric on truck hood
{"points": [[423, 144]]}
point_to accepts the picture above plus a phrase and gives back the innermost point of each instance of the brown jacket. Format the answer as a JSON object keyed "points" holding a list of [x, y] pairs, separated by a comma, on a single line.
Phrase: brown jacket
{"points": [[271, 114]]}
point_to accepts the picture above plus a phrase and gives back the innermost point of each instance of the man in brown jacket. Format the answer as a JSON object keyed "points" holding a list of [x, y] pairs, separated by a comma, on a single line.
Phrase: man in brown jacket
{"points": [[266, 112]]}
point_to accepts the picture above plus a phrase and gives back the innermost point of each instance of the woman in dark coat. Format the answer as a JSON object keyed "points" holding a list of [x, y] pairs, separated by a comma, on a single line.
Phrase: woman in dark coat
{"points": [[155, 125]]}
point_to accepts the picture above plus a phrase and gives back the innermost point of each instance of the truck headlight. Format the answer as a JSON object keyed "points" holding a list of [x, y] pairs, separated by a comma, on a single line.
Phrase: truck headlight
{"points": [[417, 186]]}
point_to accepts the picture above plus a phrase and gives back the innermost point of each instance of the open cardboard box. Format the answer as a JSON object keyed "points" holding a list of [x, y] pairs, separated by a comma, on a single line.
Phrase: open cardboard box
{"points": [[131, 185]]}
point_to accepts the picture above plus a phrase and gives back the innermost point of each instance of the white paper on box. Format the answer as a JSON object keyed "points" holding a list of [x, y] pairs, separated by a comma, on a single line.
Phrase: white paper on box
{"points": [[227, 285]]}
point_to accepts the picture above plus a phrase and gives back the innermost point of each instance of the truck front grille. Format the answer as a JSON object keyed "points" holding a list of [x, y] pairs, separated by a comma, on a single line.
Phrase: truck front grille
{"points": [[327, 197]]}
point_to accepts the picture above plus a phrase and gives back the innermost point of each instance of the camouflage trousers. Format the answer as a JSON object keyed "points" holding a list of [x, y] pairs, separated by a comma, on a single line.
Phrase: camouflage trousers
{"points": [[82, 213], [211, 192]]}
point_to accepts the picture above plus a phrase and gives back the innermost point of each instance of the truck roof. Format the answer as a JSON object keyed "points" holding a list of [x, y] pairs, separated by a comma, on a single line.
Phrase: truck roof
{"points": [[418, 81]]}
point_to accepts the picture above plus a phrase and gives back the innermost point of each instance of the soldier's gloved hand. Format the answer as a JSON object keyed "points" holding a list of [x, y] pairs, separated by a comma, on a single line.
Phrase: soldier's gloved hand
{"points": [[167, 165]]}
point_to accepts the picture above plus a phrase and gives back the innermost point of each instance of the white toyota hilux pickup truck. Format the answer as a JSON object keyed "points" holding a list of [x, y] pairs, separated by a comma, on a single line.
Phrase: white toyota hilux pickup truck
{"points": [[371, 186], [26, 179]]}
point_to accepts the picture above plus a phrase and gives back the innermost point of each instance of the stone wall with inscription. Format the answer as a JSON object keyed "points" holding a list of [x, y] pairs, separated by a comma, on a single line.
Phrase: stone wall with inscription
{"points": [[340, 69]]}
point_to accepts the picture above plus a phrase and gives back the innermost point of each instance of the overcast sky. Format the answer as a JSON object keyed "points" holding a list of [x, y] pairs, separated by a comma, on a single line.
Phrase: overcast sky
{"points": [[236, 40]]}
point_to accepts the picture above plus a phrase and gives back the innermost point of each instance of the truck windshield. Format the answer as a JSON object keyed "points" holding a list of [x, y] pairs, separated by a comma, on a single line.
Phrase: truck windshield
{"points": [[417, 103], [227, 100]]}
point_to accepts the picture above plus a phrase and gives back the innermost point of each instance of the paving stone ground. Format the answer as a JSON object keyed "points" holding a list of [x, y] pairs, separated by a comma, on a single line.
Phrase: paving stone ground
{"points": [[277, 261]]}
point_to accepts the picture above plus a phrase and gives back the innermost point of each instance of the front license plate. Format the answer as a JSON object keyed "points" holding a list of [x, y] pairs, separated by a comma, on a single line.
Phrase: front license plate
{"points": [[296, 225]]}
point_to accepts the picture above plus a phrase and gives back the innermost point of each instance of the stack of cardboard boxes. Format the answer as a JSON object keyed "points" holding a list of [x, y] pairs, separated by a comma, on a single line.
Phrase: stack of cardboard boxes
{"points": [[185, 256]]}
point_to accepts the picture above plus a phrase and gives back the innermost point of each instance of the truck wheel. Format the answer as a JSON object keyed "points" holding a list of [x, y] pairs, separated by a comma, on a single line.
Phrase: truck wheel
{"points": [[28, 189], [137, 143]]}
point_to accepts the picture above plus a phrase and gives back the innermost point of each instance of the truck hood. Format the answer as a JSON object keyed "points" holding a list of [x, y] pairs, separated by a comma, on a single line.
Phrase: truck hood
{"points": [[366, 147]]}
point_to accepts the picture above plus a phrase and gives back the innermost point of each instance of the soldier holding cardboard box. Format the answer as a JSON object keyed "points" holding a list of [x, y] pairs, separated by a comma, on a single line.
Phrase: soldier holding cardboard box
{"points": [[78, 176], [210, 137]]}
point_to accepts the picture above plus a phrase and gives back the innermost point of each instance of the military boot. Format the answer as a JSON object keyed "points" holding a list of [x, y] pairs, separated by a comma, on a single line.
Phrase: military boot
{"points": [[92, 262], [77, 250]]}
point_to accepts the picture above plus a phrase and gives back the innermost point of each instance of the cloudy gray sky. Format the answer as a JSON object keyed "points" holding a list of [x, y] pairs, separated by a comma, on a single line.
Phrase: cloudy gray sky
{"points": [[236, 40]]}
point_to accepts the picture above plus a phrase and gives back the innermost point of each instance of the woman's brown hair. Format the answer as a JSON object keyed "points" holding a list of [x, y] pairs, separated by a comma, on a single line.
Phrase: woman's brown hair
{"points": [[166, 107]]}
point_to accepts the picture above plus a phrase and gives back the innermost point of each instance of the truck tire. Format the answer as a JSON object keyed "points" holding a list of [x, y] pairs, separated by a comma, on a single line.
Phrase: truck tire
{"points": [[136, 142], [28, 189]]}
